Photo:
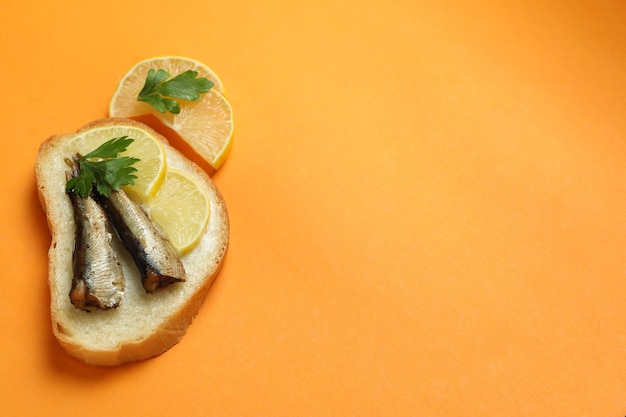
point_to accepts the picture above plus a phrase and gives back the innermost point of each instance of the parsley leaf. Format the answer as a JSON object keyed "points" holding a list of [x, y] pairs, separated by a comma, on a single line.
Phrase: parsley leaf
{"points": [[104, 168], [160, 92]]}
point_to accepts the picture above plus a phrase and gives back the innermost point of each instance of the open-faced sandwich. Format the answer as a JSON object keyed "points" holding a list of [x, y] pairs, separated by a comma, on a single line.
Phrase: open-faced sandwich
{"points": [[138, 233]]}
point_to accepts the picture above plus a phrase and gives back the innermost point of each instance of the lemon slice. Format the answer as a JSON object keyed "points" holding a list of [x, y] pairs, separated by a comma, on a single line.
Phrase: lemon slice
{"points": [[181, 209], [206, 125], [151, 167]]}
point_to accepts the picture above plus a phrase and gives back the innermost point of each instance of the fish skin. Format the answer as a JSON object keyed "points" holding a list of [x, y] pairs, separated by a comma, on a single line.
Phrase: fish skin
{"points": [[157, 261], [98, 277]]}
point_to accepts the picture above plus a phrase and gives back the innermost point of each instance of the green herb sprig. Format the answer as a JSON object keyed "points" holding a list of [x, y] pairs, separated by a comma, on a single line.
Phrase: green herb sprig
{"points": [[104, 168], [160, 92]]}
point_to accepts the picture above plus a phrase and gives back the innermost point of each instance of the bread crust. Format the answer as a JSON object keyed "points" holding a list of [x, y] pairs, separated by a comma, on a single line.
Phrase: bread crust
{"points": [[173, 309]]}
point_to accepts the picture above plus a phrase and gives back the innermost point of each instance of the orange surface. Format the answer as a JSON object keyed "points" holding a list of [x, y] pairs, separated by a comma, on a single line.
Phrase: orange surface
{"points": [[427, 203]]}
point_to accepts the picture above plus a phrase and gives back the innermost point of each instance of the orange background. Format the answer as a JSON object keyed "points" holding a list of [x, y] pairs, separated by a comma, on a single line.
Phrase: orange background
{"points": [[427, 204]]}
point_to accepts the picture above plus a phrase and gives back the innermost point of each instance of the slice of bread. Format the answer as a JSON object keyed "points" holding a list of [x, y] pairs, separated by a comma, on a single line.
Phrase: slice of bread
{"points": [[144, 325]]}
